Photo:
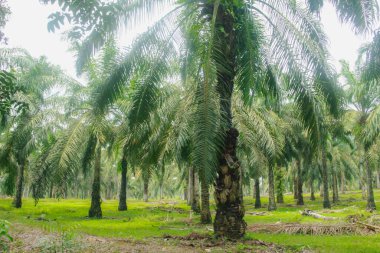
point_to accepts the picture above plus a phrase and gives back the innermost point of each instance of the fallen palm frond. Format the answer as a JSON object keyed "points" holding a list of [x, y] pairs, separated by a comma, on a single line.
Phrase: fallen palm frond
{"points": [[358, 228], [311, 213]]}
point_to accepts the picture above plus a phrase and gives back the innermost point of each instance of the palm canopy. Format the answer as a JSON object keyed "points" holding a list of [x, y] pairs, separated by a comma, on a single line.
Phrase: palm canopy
{"points": [[365, 97], [272, 37]]}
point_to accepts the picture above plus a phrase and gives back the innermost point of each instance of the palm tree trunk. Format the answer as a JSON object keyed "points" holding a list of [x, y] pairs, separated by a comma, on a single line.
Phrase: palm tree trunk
{"points": [[272, 201], [342, 182], [95, 209], [195, 205], [229, 202], [205, 202], [335, 187], [17, 201], [295, 187], [257, 193], [378, 179], [370, 197], [229, 216], [51, 190], [123, 186], [320, 189], [190, 186], [362, 185], [161, 190], [279, 182], [186, 190], [312, 193], [325, 182], [299, 184], [146, 188]]}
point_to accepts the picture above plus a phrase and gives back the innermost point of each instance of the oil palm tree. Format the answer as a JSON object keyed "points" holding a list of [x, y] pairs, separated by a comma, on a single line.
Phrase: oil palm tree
{"points": [[36, 78], [228, 45], [364, 97]]}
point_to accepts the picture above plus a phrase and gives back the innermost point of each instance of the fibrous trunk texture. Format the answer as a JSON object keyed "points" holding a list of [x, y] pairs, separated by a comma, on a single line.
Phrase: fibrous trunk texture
{"points": [[272, 202], [205, 201], [95, 209], [229, 216], [370, 197], [325, 182], [123, 185], [17, 201], [257, 193], [299, 184], [229, 203]]}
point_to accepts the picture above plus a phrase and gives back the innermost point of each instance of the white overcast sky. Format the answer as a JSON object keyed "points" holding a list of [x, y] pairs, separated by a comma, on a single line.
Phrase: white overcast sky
{"points": [[27, 28]]}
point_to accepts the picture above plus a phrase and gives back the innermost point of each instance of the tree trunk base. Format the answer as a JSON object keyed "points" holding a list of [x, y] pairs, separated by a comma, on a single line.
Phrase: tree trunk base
{"points": [[229, 223], [122, 207], [206, 217], [371, 206], [95, 211], [229, 220]]}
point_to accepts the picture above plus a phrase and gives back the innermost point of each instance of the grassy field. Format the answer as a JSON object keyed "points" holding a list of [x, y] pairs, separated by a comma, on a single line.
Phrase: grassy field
{"points": [[173, 217]]}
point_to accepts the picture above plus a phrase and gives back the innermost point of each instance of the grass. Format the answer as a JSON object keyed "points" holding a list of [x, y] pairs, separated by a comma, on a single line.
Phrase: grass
{"points": [[154, 219]]}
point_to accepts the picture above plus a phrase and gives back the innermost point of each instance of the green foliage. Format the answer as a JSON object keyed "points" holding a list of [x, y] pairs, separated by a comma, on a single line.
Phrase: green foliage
{"points": [[5, 237]]}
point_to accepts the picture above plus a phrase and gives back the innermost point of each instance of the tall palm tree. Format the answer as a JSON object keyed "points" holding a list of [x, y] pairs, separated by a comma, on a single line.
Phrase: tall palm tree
{"points": [[365, 97], [229, 45], [28, 127]]}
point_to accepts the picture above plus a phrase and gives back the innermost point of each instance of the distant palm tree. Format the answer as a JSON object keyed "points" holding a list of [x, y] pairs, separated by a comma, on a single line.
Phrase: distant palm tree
{"points": [[365, 97], [25, 129]]}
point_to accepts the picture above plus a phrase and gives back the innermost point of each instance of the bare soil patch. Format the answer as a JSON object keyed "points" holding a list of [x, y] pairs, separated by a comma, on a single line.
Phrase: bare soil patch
{"points": [[28, 239]]}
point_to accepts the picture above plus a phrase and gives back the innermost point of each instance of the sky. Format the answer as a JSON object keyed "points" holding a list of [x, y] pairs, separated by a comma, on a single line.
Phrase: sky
{"points": [[27, 28]]}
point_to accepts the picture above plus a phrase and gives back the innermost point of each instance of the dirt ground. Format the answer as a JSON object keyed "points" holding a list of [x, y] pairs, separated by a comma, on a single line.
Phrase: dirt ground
{"points": [[36, 240]]}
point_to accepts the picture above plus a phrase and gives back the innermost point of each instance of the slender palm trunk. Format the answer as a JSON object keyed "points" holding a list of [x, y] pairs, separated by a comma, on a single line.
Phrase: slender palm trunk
{"points": [[312, 193], [205, 201], [195, 204], [370, 197], [272, 202], [51, 190], [320, 190], [123, 186], [295, 187], [335, 187], [146, 188], [190, 186], [257, 193], [325, 182], [186, 190], [17, 201], [378, 179], [342, 182], [95, 209], [299, 184]]}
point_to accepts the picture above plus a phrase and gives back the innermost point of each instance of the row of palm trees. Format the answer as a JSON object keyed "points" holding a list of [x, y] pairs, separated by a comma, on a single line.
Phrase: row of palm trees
{"points": [[209, 82]]}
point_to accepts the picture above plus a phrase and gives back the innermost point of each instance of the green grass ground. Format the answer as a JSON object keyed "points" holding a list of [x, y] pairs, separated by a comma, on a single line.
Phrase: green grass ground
{"points": [[155, 219]]}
